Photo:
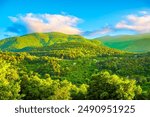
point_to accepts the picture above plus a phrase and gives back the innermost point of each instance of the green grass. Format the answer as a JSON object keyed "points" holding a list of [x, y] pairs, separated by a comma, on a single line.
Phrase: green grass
{"points": [[131, 43]]}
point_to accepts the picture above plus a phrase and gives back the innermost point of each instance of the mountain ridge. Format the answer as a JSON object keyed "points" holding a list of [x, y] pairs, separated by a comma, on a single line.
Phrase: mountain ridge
{"points": [[131, 43], [39, 40]]}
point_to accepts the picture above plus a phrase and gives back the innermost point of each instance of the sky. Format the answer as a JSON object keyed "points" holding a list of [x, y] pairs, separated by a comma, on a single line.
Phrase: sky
{"points": [[90, 18]]}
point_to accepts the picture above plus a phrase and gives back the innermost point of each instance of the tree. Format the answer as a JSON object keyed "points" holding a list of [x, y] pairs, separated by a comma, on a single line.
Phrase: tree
{"points": [[79, 93], [106, 86], [9, 82], [35, 88], [62, 92]]}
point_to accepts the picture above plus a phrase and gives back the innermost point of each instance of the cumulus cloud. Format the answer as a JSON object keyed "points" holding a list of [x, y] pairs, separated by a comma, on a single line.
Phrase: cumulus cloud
{"points": [[30, 23], [102, 31], [138, 23]]}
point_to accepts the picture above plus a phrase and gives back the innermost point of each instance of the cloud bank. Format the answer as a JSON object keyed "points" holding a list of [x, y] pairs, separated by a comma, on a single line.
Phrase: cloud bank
{"points": [[31, 23], [138, 23]]}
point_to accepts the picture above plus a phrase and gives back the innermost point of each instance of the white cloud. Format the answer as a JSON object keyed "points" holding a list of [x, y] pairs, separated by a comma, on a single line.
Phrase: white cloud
{"points": [[136, 23], [102, 31], [47, 23], [105, 30]]}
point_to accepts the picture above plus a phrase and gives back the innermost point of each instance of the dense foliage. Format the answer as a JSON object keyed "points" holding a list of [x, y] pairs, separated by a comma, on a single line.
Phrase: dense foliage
{"points": [[74, 50], [69, 67], [106, 86], [25, 76], [9, 82]]}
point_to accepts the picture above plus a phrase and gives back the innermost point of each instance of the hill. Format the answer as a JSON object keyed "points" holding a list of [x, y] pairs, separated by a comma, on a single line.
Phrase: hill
{"points": [[38, 40], [131, 43], [57, 45], [73, 50]]}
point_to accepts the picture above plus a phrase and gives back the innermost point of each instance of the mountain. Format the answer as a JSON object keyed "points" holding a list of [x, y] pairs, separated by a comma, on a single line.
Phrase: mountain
{"points": [[57, 45], [73, 50], [38, 40], [131, 43]]}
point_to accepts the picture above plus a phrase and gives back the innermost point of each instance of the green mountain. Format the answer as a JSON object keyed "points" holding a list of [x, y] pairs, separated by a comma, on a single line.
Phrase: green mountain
{"points": [[57, 45], [131, 43], [38, 40], [73, 50]]}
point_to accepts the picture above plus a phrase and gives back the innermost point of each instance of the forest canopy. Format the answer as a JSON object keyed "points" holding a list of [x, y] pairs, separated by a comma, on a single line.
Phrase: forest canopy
{"points": [[70, 67]]}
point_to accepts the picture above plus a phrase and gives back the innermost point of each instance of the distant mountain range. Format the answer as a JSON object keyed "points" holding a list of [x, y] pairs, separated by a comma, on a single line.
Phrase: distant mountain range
{"points": [[131, 43]]}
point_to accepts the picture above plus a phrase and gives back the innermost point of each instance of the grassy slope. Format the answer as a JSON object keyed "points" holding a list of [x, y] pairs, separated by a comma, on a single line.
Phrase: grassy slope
{"points": [[132, 43]]}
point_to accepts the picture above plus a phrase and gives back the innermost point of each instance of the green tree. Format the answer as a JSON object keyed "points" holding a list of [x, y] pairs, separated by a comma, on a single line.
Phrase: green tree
{"points": [[80, 93], [35, 88], [9, 82], [106, 86]]}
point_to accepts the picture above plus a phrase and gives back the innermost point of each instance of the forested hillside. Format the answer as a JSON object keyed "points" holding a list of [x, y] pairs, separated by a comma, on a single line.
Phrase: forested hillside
{"points": [[29, 41], [70, 67]]}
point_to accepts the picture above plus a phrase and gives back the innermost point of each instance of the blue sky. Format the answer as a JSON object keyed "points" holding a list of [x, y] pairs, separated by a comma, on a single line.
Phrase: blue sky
{"points": [[90, 18]]}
